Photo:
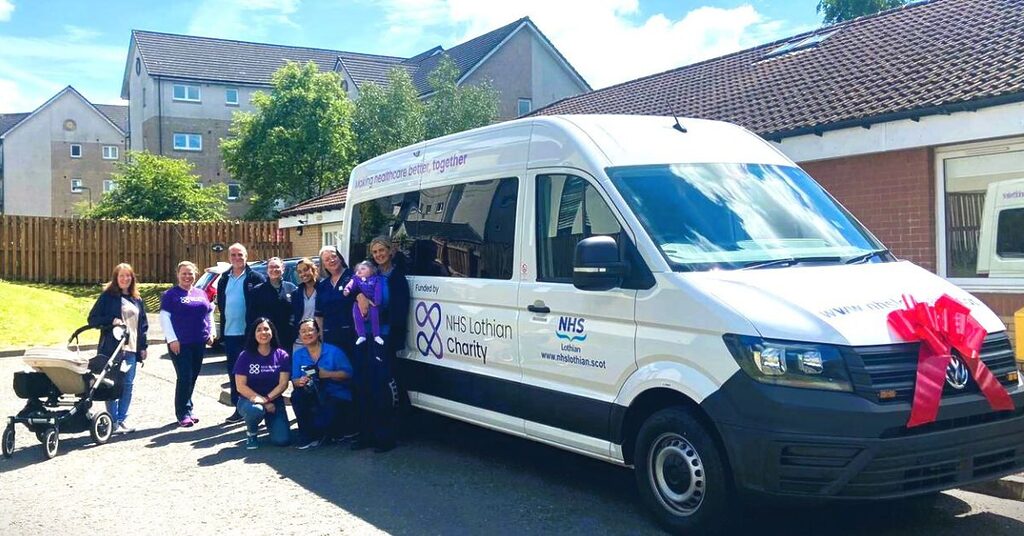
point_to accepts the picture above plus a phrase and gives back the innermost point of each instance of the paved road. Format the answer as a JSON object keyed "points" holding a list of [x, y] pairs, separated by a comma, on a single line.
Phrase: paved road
{"points": [[448, 478]]}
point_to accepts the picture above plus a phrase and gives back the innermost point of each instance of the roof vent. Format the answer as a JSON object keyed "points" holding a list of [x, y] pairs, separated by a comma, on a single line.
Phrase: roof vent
{"points": [[800, 44]]}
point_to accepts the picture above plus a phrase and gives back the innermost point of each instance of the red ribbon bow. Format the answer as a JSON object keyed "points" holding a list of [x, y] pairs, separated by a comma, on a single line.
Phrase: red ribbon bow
{"points": [[941, 328]]}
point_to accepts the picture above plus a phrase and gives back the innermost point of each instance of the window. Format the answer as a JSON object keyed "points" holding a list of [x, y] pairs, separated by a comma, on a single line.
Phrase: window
{"points": [[143, 96], [525, 106], [76, 186], [76, 150], [234, 191], [800, 44], [569, 209], [110, 152], [965, 175], [471, 235], [188, 142], [331, 235], [199, 185], [109, 185], [183, 92], [231, 96], [1010, 234]]}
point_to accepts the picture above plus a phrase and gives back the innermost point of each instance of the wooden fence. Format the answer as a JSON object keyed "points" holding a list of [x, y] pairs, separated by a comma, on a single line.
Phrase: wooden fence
{"points": [[61, 250]]}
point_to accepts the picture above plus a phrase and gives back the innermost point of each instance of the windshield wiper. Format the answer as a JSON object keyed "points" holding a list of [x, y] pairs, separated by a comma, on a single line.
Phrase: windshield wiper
{"points": [[864, 257], [787, 261]]}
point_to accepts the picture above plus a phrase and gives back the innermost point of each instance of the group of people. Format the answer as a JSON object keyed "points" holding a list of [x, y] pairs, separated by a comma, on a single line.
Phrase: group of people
{"points": [[333, 338]]}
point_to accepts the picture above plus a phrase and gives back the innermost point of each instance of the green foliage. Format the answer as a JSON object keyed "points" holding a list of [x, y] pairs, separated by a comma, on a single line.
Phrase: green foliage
{"points": [[388, 119], [153, 187], [297, 144], [834, 11], [453, 108]]}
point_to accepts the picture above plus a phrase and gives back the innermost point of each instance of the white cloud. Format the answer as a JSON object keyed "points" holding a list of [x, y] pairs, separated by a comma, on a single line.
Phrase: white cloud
{"points": [[607, 41], [33, 69], [6, 8], [248, 20]]}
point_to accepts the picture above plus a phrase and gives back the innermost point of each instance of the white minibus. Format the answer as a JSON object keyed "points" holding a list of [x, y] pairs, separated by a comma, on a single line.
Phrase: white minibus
{"points": [[676, 296]]}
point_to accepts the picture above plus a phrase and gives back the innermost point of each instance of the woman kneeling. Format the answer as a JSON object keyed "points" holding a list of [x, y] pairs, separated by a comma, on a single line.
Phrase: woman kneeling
{"points": [[261, 374], [321, 396]]}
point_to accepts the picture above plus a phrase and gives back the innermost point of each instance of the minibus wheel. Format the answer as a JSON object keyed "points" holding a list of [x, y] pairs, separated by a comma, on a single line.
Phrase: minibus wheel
{"points": [[680, 474]]}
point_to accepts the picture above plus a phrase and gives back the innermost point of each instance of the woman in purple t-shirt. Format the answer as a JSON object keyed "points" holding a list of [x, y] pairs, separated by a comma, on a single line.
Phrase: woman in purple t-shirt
{"points": [[186, 315], [261, 375]]}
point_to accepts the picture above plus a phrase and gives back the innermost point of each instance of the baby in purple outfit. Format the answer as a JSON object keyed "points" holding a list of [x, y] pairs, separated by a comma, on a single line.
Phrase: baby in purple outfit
{"points": [[371, 285]]}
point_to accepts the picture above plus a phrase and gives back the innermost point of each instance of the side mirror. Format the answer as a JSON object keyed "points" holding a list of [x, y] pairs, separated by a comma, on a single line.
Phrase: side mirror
{"points": [[596, 264]]}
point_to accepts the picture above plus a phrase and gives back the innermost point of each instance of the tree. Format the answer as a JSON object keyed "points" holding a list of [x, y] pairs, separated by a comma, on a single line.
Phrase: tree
{"points": [[387, 119], [453, 108], [297, 144], [153, 187], [834, 11]]}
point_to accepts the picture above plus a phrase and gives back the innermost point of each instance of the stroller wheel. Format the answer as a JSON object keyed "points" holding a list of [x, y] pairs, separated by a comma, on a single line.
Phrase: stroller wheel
{"points": [[51, 442], [8, 441], [102, 428]]}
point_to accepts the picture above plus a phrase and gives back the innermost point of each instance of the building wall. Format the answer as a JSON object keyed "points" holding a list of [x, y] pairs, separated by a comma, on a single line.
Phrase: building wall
{"points": [[551, 81], [91, 168], [891, 193], [509, 70], [38, 167], [307, 244]]}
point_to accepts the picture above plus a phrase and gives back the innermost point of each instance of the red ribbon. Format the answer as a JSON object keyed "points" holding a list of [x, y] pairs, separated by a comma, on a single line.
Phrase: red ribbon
{"points": [[941, 328]]}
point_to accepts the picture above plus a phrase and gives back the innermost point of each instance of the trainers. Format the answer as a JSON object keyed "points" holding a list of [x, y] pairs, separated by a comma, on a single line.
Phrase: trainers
{"points": [[311, 445], [251, 443], [185, 423], [233, 418], [117, 428], [190, 416], [360, 340], [124, 427]]}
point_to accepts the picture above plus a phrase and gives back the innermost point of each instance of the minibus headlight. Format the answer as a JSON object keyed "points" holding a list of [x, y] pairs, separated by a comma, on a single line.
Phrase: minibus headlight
{"points": [[793, 364]]}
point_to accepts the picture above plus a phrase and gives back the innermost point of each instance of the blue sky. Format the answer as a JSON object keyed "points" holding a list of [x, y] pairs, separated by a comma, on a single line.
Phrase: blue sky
{"points": [[48, 44]]}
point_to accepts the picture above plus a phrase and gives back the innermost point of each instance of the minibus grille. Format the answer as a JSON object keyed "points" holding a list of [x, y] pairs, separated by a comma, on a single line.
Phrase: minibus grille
{"points": [[892, 369]]}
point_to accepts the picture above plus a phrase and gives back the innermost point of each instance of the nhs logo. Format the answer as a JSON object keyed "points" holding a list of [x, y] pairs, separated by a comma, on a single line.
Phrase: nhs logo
{"points": [[571, 328]]}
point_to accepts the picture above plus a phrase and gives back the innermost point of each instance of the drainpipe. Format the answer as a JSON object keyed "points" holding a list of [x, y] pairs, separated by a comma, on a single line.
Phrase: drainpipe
{"points": [[160, 115]]}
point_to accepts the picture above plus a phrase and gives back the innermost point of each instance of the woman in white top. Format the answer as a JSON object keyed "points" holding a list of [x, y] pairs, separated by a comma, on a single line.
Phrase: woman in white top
{"points": [[120, 304], [304, 297]]}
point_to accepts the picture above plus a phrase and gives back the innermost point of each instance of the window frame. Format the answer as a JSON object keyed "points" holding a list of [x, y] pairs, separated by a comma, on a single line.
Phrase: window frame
{"points": [[228, 102], [995, 285], [238, 194], [71, 150], [185, 97], [116, 152], [519, 106], [187, 146], [77, 186], [109, 185]]}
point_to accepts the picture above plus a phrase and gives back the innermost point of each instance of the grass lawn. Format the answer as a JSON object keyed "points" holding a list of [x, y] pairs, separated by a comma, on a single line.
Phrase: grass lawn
{"points": [[39, 314]]}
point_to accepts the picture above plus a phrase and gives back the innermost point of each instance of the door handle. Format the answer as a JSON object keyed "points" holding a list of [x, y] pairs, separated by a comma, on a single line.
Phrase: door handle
{"points": [[538, 308]]}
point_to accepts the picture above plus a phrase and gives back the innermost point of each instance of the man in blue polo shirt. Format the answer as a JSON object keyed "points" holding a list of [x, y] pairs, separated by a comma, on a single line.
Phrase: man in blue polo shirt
{"points": [[237, 292]]}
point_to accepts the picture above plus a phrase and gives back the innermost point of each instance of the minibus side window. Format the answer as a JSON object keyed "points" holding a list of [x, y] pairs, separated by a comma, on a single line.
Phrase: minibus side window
{"points": [[1010, 234], [569, 209], [385, 216], [465, 230]]}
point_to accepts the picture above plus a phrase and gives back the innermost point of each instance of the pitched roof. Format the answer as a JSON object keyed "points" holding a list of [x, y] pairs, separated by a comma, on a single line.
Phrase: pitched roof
{"points": [[7, 121], [225, 60], [332, 200], [925, 58], [116, 113]]}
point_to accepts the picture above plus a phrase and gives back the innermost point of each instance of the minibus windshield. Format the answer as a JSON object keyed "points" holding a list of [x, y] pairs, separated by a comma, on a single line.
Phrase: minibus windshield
{"points": [[736, 216]]}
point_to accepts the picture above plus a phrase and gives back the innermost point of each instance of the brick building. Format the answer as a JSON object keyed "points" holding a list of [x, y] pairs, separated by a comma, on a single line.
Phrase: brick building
{"points": [[905, 117]]}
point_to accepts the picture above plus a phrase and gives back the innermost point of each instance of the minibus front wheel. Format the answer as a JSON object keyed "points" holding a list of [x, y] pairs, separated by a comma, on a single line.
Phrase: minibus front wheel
{"points": [[680, 473]]}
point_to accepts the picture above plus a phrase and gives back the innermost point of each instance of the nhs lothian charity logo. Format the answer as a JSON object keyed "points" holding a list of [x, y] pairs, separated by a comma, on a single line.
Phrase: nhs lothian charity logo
{"points": [[571, 328], [428, 338]]}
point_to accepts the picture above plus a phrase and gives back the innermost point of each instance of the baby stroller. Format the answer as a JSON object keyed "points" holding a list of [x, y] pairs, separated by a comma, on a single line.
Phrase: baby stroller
{"points": [[58, 375]]}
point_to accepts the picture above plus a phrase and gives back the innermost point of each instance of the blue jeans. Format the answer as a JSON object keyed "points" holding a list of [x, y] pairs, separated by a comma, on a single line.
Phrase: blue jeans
{"points": [[277, 422], [187, 364], [118, 409], [233, 346]]}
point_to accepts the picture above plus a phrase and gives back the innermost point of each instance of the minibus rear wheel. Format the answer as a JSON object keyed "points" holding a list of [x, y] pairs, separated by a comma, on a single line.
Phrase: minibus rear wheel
{"points": [[680, 473]]}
